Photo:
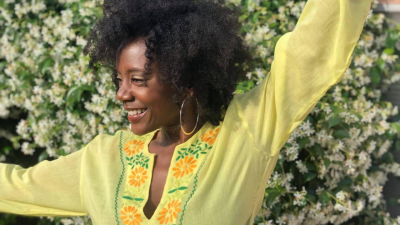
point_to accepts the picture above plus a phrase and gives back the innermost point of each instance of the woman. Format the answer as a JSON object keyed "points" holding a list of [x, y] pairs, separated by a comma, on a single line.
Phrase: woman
{"points": [[196, 153]]}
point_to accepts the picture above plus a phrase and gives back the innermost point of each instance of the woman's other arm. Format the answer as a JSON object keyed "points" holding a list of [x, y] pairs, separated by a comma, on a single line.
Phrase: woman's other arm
{"points": [[307, 62], [50, 188]]}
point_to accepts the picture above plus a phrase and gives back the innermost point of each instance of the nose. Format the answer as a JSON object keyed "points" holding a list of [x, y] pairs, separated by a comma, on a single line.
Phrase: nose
{"points": [[124, 92]]}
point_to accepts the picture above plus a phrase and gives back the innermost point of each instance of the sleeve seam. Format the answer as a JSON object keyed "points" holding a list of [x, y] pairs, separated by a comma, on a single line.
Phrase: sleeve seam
{"points": [[246, 126]]}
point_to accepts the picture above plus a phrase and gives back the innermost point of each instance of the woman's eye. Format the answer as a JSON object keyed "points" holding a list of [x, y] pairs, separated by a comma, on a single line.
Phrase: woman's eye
{"points": [[137, 80]]}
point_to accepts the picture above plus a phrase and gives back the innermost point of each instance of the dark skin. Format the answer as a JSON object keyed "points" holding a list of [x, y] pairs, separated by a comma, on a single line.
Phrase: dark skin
{"points": [[162, 112]]}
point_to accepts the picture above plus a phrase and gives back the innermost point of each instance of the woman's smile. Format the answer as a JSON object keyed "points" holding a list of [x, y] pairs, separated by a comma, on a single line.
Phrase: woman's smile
{"points": [[135, 115]]}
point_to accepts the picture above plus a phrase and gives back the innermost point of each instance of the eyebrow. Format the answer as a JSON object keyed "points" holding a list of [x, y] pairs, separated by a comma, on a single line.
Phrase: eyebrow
{"points": [[134, 69]]}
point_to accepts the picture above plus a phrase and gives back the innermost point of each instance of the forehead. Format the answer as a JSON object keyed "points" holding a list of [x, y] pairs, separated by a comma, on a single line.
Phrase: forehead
{"points": [[132, 56]]}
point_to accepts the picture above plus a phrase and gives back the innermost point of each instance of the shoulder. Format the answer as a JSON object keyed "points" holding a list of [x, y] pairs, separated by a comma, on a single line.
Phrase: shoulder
{"points": [[106, 142]]}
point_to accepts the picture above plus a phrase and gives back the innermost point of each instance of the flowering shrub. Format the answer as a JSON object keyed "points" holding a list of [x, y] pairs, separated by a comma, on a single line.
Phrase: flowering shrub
{"points": [[331, 169]]}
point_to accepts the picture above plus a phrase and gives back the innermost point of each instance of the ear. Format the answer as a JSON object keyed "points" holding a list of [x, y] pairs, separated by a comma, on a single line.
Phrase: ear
{"points": [[191, 92]]}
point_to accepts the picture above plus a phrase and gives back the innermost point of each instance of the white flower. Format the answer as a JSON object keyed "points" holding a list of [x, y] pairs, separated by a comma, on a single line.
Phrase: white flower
{"points": [[303, 169], [280, 221], [340, 195], [248, 75], [26, 149], [339, 207]]}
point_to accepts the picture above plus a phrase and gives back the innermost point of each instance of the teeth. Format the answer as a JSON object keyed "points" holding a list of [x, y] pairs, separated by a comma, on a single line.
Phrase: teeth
{"points": [[136, 111]]}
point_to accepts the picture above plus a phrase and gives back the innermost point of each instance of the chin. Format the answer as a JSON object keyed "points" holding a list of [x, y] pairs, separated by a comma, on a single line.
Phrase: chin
{"points": [[141, 130]]}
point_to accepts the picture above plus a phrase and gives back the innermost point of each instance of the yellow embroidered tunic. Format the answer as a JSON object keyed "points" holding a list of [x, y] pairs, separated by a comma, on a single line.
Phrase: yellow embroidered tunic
{"points": [[219, 175]]}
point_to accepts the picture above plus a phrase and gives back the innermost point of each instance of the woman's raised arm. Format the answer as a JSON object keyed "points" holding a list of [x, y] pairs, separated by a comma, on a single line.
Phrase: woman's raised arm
{"points": [[307, 62], [50, 188]]}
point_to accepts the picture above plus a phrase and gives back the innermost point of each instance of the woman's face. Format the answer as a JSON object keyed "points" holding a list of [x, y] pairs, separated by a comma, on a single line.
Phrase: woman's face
{"points": [[149, 103]]}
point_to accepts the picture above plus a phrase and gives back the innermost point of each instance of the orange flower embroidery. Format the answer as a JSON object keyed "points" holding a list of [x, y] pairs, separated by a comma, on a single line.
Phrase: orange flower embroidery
{"points": [[138, 176], [130, 216], [170, 213], [210, 136], [184, 166], [133, 147]]}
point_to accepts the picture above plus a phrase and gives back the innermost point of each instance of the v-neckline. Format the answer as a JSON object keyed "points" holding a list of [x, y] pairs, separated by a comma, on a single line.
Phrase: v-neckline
{"points": [[167, 182]]}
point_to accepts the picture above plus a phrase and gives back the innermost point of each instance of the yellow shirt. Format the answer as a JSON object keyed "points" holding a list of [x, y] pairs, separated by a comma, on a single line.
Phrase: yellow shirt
{"points": [[219, 175]]}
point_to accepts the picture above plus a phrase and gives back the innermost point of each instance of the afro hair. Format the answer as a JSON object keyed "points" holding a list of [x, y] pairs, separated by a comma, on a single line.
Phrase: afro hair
{"points": [[195, 44]]}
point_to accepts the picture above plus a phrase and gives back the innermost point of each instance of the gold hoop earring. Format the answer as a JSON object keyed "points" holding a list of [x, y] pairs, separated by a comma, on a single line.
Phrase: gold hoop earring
{"points": [[180, 117]]}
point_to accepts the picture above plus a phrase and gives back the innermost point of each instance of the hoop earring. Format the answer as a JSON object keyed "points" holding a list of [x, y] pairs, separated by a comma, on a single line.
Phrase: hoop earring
{"points": [[180, 117]]}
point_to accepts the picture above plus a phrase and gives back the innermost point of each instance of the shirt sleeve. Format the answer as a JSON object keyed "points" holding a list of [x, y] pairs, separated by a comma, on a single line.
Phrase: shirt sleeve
{"points": [[307, 62], [50, 188]]}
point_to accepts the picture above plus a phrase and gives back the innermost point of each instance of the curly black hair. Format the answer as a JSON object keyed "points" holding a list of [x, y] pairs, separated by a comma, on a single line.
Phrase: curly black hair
{"points": [[195, 44]]}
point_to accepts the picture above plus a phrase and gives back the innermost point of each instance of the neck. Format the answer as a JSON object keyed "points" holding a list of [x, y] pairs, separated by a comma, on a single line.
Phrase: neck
{"points": [[173, 135]]}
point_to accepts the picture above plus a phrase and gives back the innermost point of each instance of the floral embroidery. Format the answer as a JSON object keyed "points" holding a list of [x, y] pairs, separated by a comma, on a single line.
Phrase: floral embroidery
{"points": [[130, 216], [169, 213], [210, 136], [194, 149], [138, 176], [184, 166], [133, 147]]}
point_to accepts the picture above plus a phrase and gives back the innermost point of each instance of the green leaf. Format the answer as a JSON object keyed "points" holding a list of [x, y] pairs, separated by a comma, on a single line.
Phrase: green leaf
{"points": [[309, 176], [43, 156], [341, 134], [375, 75], [243, 17], [381, 64], [397, 145], [317, 150], [271, 194], [276, 4], [45, 65], [323, 198], [74, 94], [3, 65], [277, 209], [182, 188], [388, 158], [389, 51], [392, 38], [272, 25], [138, 199], [334, 120], [396, 126], [7, 150], [302, 142], [311, 196], [327, 162], [288, 145], [345, 184], [311, 166]]}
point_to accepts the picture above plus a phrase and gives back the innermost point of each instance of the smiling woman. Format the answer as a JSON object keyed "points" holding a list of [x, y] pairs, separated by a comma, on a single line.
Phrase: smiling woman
{"points": [[196, 153], [149, 103]]}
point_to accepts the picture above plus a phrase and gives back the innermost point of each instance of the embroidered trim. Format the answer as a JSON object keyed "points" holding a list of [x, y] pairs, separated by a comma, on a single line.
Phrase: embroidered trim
{"points": [[184, 164], [191, 194], [120, 178]]}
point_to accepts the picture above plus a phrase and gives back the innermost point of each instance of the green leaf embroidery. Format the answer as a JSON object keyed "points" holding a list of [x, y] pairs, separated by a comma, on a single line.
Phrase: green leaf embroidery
{"points": [[127, 197]]}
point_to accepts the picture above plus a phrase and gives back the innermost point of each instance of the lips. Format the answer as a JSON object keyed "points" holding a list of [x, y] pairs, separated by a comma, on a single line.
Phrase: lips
{"points": [[136, 114]]}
